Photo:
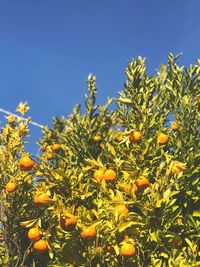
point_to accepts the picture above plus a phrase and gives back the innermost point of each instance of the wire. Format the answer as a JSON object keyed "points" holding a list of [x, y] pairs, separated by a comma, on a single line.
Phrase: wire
{"points": [[31, 122]]}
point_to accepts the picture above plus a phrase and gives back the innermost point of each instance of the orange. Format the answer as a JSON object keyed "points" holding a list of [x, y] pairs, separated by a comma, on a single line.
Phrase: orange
{"points": [[135, 136], [122, 210], [142, 182], [10, 187], [41, 199], [174, 126], [50, 156], [127, 250], [99, 175], [68, 222], [56, 147], [162, 139], [120, 138], [110, 175], [97, 138], [26, 163], [11, 119], [177, 167], [40, 245], [88, 232], [34, 234]]}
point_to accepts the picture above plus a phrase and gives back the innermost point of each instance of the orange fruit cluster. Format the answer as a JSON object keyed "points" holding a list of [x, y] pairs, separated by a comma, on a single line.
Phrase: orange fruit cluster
{"points": [[109, 175]]}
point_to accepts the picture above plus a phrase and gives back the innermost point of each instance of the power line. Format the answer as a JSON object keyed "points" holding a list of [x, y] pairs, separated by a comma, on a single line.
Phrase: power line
{"points": [[31, 122]]}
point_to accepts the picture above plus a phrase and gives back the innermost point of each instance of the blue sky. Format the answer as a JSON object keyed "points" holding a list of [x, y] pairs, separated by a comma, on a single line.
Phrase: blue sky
{"points": [[48, 48]]}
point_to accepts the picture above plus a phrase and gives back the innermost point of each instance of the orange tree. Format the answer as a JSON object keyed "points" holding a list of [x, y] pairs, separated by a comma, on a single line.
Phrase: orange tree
{"points": [[110, 188]]}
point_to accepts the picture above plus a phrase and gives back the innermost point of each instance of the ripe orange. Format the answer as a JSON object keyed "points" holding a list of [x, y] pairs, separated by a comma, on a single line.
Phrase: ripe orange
{"points": [[162, 139], [135, 136], [174, 126], [34, 234], [11, 119], [68, 222], [99, 175], [97, 138], [142, 182], [127, 250], [50, 156], [41, 199], [26, 163], [110, 175], [40, 245], [88, 232], [177, 167], [122, 210], [10, 187], [56, 147]]}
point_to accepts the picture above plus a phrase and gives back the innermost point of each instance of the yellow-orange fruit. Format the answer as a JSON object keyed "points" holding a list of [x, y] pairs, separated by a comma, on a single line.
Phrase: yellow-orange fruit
{"points": [[127, 250], [122, 210], [110, 175], [162, 139], [142, 182], [97, 138], [26, 163], [177, 167], [88, 232], [56, 147], [174, 126], [50, 156], [10, 187], [41, 199], [68, 222], [34, 234], [99, 175], [135, 136], [40, 245]]}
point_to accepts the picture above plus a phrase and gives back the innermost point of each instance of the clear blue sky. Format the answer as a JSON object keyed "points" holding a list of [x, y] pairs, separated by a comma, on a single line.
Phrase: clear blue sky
{"points": [[48, 47]]}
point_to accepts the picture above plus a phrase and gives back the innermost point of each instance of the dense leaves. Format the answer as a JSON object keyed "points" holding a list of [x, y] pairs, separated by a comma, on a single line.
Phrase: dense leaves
{"points": [[109, 188]]}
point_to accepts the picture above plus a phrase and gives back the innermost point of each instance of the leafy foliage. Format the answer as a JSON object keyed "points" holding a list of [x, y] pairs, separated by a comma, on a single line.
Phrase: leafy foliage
{"points": [[151, 197]]}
